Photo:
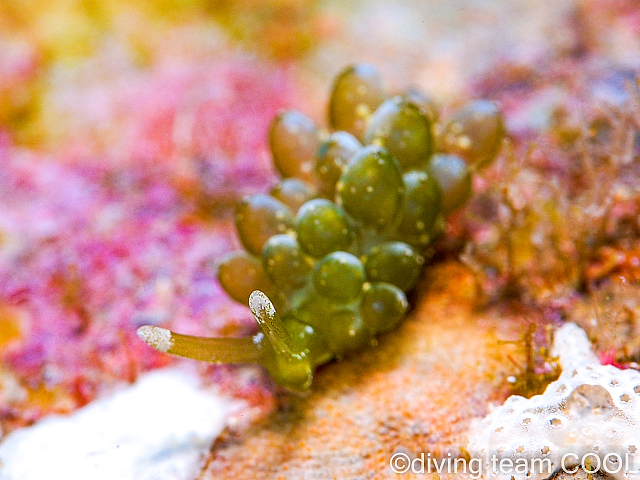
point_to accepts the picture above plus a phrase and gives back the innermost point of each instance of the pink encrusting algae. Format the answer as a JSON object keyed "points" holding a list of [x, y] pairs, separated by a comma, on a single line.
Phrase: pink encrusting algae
{"points": [[93, 246]]}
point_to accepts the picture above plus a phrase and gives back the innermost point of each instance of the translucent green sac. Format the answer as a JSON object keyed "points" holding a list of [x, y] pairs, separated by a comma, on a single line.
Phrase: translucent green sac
{"points": [[357, 92], [240, 274], [453, 177], [314, 310], [347, 332], [322, 227], [286, 265], [258, 218], [339, 277], [421, 206], [333, 155], [427, 105], [371, 187], [403, 129], [475, 132], [307, 340], [394, 262], [383, 307], [293, 192], [294, 140]]}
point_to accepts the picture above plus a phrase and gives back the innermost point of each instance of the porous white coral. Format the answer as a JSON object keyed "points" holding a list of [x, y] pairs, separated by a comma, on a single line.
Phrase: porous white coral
{"points": [[591, 410]]}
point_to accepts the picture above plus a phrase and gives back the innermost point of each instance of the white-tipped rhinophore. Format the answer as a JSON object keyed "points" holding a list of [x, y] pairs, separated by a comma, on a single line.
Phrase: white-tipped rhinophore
{"points": [[156, 337], [266, 316]]}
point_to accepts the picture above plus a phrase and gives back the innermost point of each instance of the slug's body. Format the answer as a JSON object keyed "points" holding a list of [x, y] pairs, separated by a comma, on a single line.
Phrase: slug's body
{"points": [[343, 236]]}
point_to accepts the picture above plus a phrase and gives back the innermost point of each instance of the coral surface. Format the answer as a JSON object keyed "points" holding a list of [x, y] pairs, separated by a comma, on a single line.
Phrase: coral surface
{"points": [[590, 408]]}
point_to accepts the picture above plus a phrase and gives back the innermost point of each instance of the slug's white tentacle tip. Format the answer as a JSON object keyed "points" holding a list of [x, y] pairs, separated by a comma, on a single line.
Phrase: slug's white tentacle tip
{"points": [[156, 337], [259, 302]]}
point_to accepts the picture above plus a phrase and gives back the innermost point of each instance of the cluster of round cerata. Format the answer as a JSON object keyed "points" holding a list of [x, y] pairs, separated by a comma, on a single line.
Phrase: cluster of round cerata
{"points": [[339, 240]]}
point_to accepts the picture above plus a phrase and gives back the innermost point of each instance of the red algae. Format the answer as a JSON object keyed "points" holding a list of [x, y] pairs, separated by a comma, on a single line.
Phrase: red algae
{"points": [[94, 247]]}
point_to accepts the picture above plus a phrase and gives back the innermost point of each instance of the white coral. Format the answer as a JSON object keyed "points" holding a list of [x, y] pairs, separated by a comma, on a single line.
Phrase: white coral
{"points": [[591, 408]]}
